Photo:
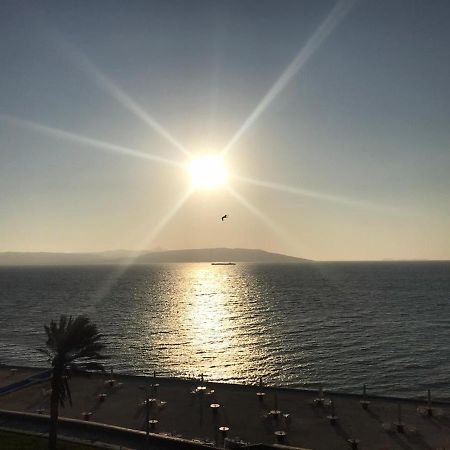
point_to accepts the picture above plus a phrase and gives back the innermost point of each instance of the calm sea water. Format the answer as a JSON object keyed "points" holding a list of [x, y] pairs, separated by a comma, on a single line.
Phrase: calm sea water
{"points": [[336, 325]]}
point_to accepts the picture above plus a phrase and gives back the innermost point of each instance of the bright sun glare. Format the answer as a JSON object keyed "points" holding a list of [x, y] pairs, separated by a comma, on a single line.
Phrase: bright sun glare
{"points": [[208, 171]]}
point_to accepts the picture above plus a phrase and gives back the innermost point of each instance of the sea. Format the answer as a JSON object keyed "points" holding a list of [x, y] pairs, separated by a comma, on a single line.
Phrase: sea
{"points": [[330, 325]]}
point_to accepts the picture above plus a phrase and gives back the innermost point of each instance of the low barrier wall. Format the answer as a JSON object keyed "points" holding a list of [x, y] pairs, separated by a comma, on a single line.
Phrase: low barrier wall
{"points": [[94, 431]]}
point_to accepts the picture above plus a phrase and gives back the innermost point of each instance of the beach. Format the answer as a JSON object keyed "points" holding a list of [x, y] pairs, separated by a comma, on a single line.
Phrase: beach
{"points": [[182, 408]]}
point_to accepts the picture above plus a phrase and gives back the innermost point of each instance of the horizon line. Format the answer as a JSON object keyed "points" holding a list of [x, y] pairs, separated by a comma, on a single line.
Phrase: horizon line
{"points": [[98, 252]]}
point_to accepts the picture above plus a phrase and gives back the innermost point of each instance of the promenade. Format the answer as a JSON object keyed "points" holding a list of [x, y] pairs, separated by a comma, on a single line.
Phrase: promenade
{"points": [[208, 413]]}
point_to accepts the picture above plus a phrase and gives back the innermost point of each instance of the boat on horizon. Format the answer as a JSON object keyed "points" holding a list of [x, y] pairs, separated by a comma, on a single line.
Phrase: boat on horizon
{"points": [[223, 264]]}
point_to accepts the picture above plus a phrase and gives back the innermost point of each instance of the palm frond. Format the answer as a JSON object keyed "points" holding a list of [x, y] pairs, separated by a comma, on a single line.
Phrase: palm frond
{"points": [[74, 342]]}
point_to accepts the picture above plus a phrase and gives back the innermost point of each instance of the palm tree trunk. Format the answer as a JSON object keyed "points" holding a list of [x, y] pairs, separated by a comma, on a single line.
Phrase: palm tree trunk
{"points": [[54, 409]]}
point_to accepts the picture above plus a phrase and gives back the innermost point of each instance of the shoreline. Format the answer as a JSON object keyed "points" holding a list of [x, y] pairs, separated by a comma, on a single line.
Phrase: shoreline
{"points": [[438, 400]]}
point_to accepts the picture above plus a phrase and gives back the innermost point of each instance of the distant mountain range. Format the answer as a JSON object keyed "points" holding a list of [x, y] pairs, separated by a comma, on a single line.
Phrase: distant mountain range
{"points": [[125, 256]]}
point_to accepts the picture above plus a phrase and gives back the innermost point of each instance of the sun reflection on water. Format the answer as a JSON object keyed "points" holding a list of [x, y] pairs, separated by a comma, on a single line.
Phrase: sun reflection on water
{"points": [[207, 316], [197, 318]]}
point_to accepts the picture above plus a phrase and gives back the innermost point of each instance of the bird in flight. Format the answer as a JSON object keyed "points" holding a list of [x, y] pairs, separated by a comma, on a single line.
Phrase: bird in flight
{"points": [[224, 217]]}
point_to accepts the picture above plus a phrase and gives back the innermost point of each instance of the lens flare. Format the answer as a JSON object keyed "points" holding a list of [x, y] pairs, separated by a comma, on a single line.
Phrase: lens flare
{"points": [[106, 288], [85, 140], [316, 195], [333, 19], [283, 235], [105, 83]]}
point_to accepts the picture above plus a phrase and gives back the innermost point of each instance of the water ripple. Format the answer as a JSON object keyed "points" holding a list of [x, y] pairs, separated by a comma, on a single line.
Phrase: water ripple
{"points": [[336, 325]]}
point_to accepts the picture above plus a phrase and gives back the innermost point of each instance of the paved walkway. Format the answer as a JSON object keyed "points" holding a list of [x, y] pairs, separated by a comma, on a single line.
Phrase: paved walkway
{"points": [[196, 409], [27, 382]]}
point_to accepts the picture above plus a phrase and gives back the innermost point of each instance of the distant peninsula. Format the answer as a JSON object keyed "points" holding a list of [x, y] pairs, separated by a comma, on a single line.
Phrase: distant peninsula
{"points": [[126, 256]]}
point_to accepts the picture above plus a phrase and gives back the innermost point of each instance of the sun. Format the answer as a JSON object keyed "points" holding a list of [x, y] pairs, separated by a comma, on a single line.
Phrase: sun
{"points": [[208, 171]]}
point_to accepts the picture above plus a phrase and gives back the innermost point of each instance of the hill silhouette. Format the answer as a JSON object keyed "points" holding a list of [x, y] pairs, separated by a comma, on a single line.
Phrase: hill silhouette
{"points": [[217, 254], [125, 256]]}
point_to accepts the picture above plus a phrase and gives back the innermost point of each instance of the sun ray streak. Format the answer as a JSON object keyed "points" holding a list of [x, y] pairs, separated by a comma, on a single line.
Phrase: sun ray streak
{"points": [[90, 142], [336, 15], [165, 220], [312, 194], [106, 84], [253, 209], [106, 288]]}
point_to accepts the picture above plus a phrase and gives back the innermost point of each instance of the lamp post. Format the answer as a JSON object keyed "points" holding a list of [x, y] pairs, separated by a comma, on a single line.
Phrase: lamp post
{"points": [[147, 413]]}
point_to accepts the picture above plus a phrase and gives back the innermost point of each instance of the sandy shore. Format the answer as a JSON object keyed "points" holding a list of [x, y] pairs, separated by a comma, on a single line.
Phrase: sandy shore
{"points": [[181, 409]]}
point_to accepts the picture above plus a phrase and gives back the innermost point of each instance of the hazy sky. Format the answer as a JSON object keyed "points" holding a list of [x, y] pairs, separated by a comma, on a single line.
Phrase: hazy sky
{"points": [[353, 120]]}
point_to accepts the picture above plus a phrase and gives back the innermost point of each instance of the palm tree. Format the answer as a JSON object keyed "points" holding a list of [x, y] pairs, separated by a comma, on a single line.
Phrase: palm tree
{"points": [[73, 344]]}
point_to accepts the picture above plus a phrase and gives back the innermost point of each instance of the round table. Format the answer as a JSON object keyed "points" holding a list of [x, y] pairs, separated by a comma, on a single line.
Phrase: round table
{"points": [[280, 435], [214, 407]]}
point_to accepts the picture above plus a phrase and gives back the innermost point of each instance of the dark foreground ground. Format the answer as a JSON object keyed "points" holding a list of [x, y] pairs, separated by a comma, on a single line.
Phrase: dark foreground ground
{"points": [[182, 410], [16, 441]]}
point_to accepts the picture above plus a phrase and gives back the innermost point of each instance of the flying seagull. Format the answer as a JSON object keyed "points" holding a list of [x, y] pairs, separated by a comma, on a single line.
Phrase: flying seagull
{"points": [[224, 217]]}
